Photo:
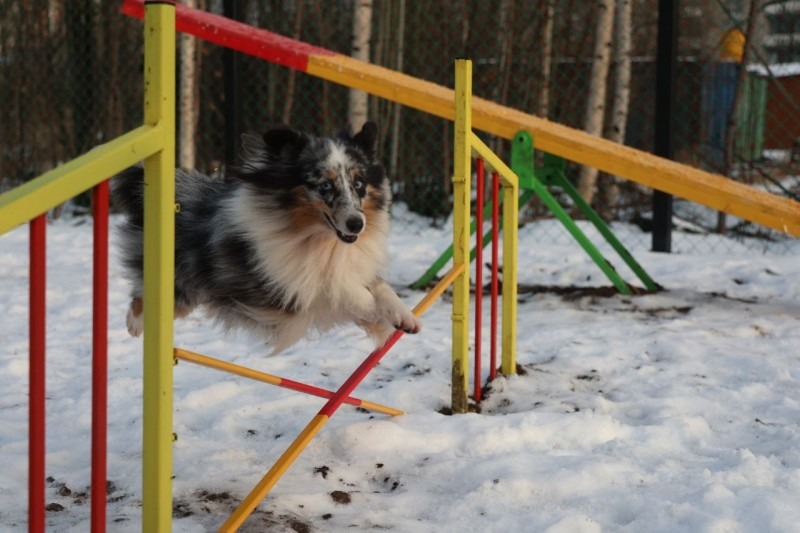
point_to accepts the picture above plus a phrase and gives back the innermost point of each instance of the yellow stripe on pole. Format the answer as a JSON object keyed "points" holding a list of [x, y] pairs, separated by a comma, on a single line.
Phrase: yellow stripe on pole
{"points": [[210, 362], [159, 246], [462, 168], [270, 478]]}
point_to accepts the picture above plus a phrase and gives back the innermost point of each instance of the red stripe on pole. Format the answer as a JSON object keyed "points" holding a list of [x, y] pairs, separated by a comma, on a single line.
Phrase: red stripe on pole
{"points": [[237, 36], [315, 391], [99, 357], [479, 201], [495, 266], [356, 377], [36, 336]]}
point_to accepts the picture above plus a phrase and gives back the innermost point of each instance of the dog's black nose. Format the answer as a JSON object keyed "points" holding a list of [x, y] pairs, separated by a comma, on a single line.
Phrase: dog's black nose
{"points": [[354, 224]]}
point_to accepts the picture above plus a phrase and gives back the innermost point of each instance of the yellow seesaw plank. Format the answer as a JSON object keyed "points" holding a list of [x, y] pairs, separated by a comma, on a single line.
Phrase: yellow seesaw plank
{"points": [[715, 191]]}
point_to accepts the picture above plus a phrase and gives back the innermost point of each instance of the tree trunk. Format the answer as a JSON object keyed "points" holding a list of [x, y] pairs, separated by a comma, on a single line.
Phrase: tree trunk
{"points": [[595, 106], [609, 185], [325, 107], [362, 32], [546, 54], [187, 102], [502, 71], [730, 132], [288, 103], [396, 111]]}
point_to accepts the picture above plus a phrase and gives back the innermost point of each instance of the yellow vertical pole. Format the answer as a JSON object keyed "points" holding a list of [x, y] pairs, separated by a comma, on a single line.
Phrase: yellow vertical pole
{"points": [[508, 364], [461, 234], [159, 267]]}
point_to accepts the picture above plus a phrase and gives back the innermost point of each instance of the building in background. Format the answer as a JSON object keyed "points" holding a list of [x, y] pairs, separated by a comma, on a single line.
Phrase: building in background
{"points": [[782, 43]]}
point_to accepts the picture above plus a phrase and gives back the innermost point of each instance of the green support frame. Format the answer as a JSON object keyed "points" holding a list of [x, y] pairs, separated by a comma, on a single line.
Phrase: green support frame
{"points": [[535, 181]]}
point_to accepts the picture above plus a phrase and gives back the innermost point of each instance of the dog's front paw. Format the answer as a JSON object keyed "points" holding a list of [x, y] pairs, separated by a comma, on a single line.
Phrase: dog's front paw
{"points": [[407, 322]]}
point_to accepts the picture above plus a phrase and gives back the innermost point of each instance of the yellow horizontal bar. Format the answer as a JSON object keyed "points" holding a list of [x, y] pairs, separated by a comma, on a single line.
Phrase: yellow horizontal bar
{"points": [[80, 174], [493, 163], [715, 191], [225, 366], [216, 364]]}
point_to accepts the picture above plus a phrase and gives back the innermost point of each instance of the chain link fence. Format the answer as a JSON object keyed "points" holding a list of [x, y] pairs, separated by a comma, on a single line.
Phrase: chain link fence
{"points": [[71, 78]]}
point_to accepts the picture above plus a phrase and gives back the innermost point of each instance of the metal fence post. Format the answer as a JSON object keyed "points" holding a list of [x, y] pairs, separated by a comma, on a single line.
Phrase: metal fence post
{"points": [[666, 67]]}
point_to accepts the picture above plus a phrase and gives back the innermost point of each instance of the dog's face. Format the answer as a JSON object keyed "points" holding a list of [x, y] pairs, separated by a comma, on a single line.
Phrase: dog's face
{"points": [[332, 182]]}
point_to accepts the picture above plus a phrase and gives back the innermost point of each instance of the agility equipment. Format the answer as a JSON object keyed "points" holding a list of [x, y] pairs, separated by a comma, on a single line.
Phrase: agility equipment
{"points": [[536, 182], [153, 142], [468, 146], [712, 190], [290, 455], [210, 362]]}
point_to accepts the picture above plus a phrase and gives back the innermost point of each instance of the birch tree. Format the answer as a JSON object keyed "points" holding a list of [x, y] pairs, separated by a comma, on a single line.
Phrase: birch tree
{"points": [[396, 111], [546, 48], [187, 98], [595, 106], [291, 81], [362, 32], [609, 185]]}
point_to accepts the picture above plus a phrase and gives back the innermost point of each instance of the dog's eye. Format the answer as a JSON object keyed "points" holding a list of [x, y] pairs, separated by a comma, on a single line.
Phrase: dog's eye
{"points": [[358, 185], [325, 186]]}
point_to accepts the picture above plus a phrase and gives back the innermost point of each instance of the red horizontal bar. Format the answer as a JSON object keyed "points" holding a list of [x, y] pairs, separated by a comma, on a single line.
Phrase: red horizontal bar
{"points": [[237, 36]]}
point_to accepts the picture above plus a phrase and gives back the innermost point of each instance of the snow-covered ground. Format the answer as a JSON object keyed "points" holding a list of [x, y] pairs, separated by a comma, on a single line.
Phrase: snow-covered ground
{"points": [[675, 411]]}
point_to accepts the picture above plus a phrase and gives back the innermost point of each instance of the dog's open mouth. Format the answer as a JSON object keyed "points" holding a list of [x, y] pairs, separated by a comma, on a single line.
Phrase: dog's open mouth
{"points": [[344, 237]]}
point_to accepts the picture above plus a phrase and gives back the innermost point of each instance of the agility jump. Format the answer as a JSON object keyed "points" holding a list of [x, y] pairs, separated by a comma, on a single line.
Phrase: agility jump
{"points": [[154, 143]]}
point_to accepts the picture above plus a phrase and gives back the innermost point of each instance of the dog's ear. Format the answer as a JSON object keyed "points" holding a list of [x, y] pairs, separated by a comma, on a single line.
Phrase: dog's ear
{"points": [[367, 138], [284, 143], [252, 147], [268, 160]]}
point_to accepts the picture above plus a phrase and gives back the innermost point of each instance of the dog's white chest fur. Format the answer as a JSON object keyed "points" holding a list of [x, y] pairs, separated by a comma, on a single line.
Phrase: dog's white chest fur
{"points": [[323, 281]]}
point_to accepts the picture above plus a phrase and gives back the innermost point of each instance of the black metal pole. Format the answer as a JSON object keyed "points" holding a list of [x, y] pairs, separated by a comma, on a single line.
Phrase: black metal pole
{"points": [[666, 70], [231, 81]]}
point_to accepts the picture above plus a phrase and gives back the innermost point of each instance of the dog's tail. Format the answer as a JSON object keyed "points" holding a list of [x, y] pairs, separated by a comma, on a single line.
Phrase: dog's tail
{"points": [[127, 193]]}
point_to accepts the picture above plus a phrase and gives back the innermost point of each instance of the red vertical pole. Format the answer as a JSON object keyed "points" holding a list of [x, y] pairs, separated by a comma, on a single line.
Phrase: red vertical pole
{"points": [[495, 266], [479, 185], [36, 340], [99, 357]]}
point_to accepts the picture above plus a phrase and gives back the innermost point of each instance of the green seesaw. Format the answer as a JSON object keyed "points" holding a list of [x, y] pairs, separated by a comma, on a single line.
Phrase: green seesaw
{"points": [[535, 181]]}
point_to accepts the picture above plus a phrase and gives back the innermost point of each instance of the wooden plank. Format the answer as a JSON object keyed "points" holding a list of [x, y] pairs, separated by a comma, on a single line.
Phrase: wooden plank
{"points": [[715, 191]]}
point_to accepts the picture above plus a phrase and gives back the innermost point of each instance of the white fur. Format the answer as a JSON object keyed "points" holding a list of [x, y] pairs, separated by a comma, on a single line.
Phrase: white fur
{"points": [[328, 281]]}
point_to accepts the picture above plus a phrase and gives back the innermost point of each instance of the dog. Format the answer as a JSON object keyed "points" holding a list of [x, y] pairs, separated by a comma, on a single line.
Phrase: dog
{"points": [[288, 243]]}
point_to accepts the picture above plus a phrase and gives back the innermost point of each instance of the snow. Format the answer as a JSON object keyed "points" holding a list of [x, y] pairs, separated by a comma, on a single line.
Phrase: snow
{"points": [[674, 411], [777, 70]]}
